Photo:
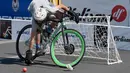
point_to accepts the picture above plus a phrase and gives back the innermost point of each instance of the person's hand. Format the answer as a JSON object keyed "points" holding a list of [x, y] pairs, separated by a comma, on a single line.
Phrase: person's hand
{"points": [[74, 16]]}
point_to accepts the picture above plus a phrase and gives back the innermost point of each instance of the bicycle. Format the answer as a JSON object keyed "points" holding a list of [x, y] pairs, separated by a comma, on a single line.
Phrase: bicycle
{"points": [[7, 34], [63, 42]]}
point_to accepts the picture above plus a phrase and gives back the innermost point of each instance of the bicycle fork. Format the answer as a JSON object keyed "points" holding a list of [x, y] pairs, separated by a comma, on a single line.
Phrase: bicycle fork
{"points": [[65, 37], [68, 47]]}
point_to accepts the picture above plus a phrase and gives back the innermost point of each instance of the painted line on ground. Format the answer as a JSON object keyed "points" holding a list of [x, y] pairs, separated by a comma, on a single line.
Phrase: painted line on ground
{"points": [[15, 56], [7, 41], [11, 57]]}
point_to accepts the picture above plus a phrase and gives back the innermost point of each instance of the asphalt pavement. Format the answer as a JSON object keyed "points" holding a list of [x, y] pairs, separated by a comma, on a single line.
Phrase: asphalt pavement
{"points": [[10, 63]]}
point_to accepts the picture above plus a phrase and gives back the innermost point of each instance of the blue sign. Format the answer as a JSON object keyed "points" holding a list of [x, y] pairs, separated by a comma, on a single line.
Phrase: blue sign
{"points": [[15, 9]]}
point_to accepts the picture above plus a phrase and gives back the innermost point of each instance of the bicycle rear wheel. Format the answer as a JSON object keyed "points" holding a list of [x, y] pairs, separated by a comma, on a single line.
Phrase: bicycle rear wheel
{"points": [[22, 42], [72, 53]]}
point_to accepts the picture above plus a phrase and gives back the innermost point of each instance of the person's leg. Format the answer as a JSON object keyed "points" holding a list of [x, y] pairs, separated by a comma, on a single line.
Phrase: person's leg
{"points": [[31, 43], [38, 40], [32, 40], [33, 34]]}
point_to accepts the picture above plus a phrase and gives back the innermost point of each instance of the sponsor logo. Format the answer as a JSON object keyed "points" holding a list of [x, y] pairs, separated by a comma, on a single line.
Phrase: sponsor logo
{"points": [[25, 32], [15, 17], [121, 39], [87, 12], [15, 5], [119, 13]]}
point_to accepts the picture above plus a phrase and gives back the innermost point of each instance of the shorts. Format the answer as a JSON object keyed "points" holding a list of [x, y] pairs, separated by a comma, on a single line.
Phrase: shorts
{"points": [[57, 15]]}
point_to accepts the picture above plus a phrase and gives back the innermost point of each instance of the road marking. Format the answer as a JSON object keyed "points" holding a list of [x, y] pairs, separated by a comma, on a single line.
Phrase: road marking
{"points": [[15, 56], [12, 56], [7, 41]]}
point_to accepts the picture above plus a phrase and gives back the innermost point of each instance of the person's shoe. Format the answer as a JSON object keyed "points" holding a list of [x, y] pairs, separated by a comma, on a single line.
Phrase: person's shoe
{"points": [[28, 58]]}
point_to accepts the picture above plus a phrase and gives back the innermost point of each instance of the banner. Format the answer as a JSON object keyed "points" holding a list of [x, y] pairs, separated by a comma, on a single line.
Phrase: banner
{"points": [[14, 9], [117, 9], [16, 28], [122, 37]]}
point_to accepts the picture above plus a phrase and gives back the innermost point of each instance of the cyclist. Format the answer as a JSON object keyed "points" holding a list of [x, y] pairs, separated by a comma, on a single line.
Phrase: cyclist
{"points": [[40, 11]]}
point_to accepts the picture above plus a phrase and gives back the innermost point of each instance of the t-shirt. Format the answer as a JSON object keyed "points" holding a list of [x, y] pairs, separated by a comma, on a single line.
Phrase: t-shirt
{"points": [[42, 3]]}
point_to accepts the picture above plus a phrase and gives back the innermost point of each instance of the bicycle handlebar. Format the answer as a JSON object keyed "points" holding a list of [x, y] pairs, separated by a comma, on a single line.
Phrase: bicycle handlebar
{"points": [[60, 20]]}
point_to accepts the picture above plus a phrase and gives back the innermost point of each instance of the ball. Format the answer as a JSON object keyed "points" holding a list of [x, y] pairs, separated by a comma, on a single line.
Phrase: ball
{"points": [[24, 69]]}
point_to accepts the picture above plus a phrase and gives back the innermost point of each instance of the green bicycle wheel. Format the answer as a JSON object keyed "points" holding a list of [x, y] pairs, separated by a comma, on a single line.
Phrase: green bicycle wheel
{"points": [[70, 54]]}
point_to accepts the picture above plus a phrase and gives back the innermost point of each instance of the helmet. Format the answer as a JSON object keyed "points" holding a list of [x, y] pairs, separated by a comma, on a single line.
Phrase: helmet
{"points": [[40, 14]]}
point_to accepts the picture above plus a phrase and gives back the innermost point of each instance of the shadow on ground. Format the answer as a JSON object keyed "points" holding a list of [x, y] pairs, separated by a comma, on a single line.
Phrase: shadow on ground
{"points": [[16, 61], [10, 61]]}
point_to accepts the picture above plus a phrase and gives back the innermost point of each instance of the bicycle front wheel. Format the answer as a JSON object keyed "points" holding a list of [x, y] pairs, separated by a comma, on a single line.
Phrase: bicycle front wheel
{"points": [[72, 52]]}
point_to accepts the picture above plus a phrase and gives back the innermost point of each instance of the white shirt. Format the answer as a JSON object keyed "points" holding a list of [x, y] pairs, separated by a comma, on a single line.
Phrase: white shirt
{"points": [[45, 3]]}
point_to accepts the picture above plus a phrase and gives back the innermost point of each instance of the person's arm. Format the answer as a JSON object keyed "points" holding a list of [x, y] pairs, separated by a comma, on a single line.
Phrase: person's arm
{"points": [[51, 7], [61, 6], [72, 13]]}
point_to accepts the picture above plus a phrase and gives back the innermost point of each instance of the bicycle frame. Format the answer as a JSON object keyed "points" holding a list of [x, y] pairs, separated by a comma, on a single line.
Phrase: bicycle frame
{"points": [[59, 41], [62, 27]]}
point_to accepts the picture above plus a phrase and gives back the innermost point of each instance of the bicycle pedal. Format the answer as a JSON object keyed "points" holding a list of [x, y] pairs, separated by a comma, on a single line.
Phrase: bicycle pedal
{"points": [[37, 55], [40, 53]]}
